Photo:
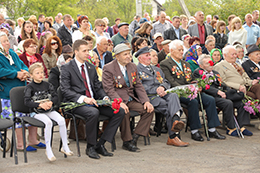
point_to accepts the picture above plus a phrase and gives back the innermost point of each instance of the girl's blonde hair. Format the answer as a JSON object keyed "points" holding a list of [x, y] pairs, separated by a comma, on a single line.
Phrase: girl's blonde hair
{"points": [[235, 20], [35, 66]]}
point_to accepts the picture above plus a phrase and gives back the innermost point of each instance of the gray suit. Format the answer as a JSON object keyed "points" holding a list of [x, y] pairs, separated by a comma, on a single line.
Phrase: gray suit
{"points": [[194, 30], [168, 105]]}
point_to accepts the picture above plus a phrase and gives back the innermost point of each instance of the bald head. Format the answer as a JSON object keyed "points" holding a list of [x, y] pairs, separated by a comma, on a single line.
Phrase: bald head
{"points": [[162, 17]]}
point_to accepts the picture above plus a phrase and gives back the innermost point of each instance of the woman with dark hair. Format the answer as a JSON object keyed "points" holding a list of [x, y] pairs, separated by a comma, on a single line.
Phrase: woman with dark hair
{"points": [[47, 25], [27, 31], [194, 40], [213, 23], [30, 56], [220, 35], [51, 52], [145, 32], [84, 30], [140, 43], [133, 44]]}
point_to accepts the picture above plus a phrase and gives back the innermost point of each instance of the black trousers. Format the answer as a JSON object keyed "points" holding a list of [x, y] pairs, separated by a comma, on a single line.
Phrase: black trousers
{"points": [[92, 113], [227, 106]]}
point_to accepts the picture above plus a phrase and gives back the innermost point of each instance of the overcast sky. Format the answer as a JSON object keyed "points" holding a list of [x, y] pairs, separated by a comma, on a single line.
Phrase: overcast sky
{"points": [[161, 1]]}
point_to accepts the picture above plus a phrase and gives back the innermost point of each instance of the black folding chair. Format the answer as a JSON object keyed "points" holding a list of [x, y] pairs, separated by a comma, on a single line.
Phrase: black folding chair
{"points": [[134, 114], [4, 125], [17, 104], [160, 119], [71, 114]]}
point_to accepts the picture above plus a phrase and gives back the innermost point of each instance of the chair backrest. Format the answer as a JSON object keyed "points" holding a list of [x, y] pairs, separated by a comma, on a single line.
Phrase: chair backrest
{"points": [[17, 100]]}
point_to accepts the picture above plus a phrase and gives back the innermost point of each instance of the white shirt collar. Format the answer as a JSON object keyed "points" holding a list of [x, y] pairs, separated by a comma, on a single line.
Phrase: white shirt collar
{"points": [[122, 68], [79, 64]]}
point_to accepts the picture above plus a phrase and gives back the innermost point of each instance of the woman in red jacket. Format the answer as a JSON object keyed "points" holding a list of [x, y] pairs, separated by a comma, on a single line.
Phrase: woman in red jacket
{"points": [[30, 56]]}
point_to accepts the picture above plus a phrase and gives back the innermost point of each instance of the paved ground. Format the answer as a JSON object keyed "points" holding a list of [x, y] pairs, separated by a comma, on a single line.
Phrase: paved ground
{"points": [[230, 155]]}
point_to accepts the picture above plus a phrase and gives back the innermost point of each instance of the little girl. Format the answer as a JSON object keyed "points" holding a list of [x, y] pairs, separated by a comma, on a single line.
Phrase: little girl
{"points": [[40, 98]]}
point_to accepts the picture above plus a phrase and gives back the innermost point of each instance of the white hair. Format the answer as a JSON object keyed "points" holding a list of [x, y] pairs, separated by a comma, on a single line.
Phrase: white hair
{"points": [[227, 48], [197, 13], [209, 41], [208, 16], [99, 39], [202, 57], [173, 45], [106, 19], [152, 50]]}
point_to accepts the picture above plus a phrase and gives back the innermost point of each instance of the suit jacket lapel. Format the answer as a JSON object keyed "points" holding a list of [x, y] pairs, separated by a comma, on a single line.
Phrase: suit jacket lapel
{"points": [[196, 27], [119, 75], [76, 69], [230, 67]]}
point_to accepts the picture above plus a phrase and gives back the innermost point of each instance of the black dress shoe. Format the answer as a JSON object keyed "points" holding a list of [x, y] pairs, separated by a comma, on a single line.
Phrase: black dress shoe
{"points": [[130, 147], [103, 151], [216, 135], [152, 133], [91, 152], [197, 137]]}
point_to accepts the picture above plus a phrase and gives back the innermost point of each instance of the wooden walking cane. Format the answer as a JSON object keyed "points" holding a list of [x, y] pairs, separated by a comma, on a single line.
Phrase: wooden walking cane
{"points": [[204, 118]]}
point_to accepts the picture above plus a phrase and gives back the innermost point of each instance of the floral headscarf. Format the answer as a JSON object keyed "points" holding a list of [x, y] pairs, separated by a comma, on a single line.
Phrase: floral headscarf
{"points": [[192, 53], [211, 53]]}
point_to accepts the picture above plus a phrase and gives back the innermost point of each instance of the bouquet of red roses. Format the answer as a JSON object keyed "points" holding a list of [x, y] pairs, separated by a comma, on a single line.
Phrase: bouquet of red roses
{"points": [[115, 105]]}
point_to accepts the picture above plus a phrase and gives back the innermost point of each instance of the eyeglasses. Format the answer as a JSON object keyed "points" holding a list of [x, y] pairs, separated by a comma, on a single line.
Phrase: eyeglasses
{"points": [[33, 46], [53, 43], [102, 25]]}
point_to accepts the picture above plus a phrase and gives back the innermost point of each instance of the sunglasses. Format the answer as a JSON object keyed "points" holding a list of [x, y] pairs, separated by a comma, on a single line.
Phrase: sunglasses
{"points": [[102, 25], [53, 43]]}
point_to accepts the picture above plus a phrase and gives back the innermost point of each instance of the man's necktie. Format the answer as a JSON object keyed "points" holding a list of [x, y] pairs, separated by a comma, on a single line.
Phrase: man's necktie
{"points": [[83, 74], [239, 69]]}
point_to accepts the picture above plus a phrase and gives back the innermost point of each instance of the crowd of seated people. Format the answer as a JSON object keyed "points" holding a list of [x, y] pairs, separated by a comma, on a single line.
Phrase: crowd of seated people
{"points": [[136, 65]]}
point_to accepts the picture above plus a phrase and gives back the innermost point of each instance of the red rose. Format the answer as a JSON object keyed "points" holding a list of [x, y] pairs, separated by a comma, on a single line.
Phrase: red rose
{"points": [[211, 63], [200, 72], [204, 76], [207, 86], [116, 111]]}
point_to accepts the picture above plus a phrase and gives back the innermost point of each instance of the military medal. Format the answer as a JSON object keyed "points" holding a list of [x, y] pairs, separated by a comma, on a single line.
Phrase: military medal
{"points": [[120, 86], [119, 77]]}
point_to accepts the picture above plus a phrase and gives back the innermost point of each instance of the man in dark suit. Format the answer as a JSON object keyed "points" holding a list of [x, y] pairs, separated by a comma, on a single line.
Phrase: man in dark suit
{"points": [[65, 32], [155, 84], [178, 72], [79, 83], [101, 50], [226, 98], [252, 66], [200, 29], [174, 32], [120, 79]]}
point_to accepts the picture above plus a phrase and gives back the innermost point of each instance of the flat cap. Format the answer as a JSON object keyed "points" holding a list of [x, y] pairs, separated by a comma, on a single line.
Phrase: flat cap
{"points": [[122, 24], [165, 42], [252, 48], [121, 48], [143, 20], [142, 51]]}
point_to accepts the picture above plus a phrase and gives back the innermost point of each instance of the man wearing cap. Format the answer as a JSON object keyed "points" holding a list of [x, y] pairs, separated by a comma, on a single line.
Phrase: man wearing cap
{"points": [[163, 53], [134, 24], [178, 72], [161, 25], [122, 35], [155, 84], [79, 83], [157, 45], [115, 27], [174, 32], [234, 75], [120, 80], [252, 66]]}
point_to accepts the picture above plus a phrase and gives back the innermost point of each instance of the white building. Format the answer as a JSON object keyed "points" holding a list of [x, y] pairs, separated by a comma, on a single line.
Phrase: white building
{"points": [[156, 7]]}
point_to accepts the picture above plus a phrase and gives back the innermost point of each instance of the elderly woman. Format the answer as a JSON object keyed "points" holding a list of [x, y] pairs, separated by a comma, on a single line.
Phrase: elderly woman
{"points": [[30, 56], [145, 32], [240, 54], [84, 30], [215, 55], [186, 39], [13, 73], [100, 26], [192, 56], [12, 40], [237, 33]]}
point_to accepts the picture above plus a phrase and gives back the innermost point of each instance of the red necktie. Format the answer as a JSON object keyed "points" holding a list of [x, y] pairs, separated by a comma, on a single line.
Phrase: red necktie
{"points": [[83, 74]]}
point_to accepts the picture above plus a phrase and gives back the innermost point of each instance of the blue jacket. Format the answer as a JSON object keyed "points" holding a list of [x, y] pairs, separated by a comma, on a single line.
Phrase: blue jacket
{"points": [[8, 74]]}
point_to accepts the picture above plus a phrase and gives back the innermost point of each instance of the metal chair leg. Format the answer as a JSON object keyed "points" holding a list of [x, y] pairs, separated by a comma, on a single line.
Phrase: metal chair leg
{"points": [[14, 146], [24, 143], [4, 143], [76, 134]]}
